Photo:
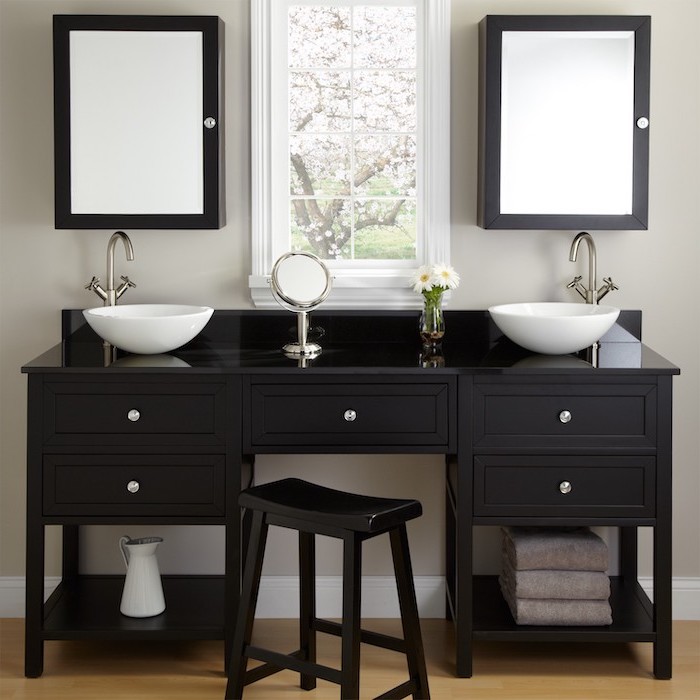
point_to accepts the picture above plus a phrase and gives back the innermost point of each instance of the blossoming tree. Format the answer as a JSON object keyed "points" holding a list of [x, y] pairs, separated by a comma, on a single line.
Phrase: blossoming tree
{"points": [[352, 131]]}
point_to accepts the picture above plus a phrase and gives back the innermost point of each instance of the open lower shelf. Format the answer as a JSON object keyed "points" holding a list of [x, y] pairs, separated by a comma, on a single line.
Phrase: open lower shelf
{"points": [[631, 614], [87, 607]]}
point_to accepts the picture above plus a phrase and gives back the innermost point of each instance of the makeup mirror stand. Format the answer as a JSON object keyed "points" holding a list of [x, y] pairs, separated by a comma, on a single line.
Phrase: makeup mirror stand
{"points": [[302, 347], [300, 281]]}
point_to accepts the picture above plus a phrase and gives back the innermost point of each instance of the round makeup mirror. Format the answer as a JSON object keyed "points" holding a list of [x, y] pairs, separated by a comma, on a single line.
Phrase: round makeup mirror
{"points": [[300, 281]]}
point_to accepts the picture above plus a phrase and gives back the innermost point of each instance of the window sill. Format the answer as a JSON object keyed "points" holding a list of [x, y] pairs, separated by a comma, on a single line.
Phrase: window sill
{"points": [[369, 290]]}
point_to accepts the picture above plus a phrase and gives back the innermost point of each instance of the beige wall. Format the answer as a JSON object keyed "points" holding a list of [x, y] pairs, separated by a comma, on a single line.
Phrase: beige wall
{"points": [[43, 270]]}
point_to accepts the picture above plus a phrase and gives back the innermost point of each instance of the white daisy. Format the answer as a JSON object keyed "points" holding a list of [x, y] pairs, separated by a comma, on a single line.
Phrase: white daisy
{"points": [[445, 276], [422, 280]]}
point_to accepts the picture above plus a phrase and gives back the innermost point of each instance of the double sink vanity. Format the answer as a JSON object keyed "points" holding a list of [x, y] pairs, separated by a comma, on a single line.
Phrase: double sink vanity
{"points": [[116, 438], [528, 439]]}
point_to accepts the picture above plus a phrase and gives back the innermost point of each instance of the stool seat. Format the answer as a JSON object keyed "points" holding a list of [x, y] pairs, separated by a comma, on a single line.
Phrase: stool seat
{"points": [[301, 500], [314, 510]]}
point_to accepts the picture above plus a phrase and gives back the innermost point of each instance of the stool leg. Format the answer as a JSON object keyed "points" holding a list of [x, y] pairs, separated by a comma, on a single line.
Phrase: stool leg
{"points": [[246, 608], [352, 576], [409, 612], [307, 604]]}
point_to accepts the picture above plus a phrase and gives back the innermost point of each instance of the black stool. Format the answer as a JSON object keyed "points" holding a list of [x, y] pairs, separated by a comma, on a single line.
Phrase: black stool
{"points": [[311, 510]]}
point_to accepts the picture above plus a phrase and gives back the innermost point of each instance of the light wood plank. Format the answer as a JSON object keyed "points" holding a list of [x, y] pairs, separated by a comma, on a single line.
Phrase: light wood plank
{"points": [[503, 671]]}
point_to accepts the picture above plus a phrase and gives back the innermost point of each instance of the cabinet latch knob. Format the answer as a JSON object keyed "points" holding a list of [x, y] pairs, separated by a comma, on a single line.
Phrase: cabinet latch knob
{"points": [[565, 487], [350, 415], [133, 415], [565, 416], [133, 486]]}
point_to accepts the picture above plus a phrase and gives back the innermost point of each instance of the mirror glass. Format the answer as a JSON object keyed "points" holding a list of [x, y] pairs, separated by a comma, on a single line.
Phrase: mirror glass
{"points": [[565, 107], [137, 118], [567, 98], [137, 122]]}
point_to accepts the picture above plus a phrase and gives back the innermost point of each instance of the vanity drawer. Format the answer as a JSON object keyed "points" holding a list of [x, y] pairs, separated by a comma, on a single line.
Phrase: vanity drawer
{"points": [[552, 415], [582, 486], [134, 413], [134, 485], [352, 416]]}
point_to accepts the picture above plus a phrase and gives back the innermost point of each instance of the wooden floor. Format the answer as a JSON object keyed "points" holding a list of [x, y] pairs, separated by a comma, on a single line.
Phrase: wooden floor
{"points": [[193, 670]]}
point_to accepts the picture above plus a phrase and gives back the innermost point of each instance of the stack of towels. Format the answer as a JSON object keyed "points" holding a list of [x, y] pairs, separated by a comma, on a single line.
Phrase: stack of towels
{"points": [[555, 576]]}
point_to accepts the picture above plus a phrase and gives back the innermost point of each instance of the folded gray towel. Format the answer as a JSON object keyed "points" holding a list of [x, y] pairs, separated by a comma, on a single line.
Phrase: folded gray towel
{"points": [[558, 584], [546, 611], [558, 548]]}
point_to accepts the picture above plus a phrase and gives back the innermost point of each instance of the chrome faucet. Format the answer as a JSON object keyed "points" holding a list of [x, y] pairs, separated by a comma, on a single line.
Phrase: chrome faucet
{"points": [[591, 294], [111, 295]]}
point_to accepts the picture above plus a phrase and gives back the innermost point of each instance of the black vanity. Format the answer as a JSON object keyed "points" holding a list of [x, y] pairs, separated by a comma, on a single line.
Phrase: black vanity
{"points": [[187, 426]]}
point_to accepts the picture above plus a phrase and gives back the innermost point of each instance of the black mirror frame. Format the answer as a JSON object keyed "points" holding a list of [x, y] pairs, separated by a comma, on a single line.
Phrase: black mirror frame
{"points": [[212, 28], [491, 29]]}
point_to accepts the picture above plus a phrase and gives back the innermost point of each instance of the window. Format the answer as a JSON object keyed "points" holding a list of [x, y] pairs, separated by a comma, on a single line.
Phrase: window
{"points": [[350, 114]]}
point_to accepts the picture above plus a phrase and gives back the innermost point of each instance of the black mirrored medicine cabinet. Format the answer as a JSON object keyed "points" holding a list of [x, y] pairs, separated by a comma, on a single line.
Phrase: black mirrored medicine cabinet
{"points": [[563, 123], [138, 122]]}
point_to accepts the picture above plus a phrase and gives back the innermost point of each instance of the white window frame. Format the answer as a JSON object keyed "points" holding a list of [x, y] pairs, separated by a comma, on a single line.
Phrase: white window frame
{"points": [[371, 287]]}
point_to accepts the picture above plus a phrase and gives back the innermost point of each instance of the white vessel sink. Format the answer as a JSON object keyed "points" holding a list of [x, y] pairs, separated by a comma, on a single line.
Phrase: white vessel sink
{"points": [[148, 329], [554, 328]]}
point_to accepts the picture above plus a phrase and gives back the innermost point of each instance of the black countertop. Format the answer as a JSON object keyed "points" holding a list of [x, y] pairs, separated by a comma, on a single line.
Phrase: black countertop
{"points": [[352, 341]]}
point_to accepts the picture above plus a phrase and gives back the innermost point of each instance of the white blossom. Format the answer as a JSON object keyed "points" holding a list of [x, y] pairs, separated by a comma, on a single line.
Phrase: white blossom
{"points": [[445, 276], [422, 280]]}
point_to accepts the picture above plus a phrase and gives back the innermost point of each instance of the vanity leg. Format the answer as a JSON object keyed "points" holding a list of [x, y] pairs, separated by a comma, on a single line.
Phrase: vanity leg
{"points": [[237, 525], [464, 586], [464, 602], [662, 535], [450, 544], [34, 572], [628, 555], [662, 599], [34, 610], [71, 551]]}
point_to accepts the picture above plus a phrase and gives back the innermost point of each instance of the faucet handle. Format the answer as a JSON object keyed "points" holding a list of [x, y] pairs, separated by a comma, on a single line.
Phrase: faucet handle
{"points": [[574, 282], [126, 283], [609, 286], [94, 286]]}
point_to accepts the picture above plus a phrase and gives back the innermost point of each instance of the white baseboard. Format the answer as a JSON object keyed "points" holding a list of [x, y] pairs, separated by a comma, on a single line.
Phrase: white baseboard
{"points": [[12, 594], [279, 596], [685, 592]]}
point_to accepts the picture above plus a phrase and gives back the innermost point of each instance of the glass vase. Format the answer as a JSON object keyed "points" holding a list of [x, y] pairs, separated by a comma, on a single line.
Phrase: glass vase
{"points": [[432, 321]]}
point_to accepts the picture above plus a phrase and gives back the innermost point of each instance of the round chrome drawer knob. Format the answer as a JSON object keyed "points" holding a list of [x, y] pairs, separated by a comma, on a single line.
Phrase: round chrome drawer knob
{"points": [[133, 415], [133, 486], [565, 416], [565, 487], [350, 415]]}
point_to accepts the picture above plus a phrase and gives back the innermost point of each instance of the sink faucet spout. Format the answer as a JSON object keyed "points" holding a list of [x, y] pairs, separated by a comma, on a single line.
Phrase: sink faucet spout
{"points": [[591, 293], [116, 236]]}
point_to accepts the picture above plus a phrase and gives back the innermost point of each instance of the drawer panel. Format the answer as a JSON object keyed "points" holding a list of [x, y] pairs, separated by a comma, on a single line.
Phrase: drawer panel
{"points": [[537, 486], [551, 415], [133, 413], [350, 415], [98, 485]]}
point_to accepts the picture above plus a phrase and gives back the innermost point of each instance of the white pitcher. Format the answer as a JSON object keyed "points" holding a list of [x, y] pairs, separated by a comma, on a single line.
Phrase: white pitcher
{"points": [[143, 591]]}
